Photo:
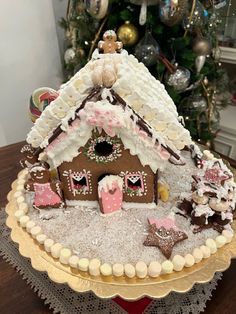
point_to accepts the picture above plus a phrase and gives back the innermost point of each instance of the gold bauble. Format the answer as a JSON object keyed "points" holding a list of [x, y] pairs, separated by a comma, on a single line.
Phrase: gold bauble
{"points": [[128, 34]]}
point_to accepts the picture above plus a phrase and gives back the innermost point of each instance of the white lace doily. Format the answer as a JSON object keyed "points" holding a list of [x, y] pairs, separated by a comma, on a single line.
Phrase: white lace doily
{"points": [[61, 299]]}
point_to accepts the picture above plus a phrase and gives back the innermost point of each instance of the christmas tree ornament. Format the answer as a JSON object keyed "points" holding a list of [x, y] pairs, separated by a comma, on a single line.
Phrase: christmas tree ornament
{"points": [[179, 80], [192, 106], [218, 4], [97, 8], [215, 120], [143, 11], [205, 81], [80, 52], [202, 46], [39, 100], [199, 63], [216, 53], [147, 50], [196, 17], [69, 55], [172, 11], [128, 34]]}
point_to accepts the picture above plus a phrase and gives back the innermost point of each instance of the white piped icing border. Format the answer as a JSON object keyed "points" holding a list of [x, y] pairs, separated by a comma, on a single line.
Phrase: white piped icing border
{"points": [[95, 267]]}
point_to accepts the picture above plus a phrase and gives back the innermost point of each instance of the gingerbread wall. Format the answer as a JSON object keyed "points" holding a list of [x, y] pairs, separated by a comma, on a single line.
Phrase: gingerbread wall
{"points": [[125, 164]]}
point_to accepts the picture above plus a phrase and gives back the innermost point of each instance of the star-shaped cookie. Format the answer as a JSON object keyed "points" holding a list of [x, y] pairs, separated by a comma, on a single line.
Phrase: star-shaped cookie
{"points": [[215, 174], [164, 239]]}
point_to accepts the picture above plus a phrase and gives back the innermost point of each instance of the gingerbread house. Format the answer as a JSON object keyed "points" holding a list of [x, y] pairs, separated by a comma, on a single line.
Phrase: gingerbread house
{"points": [[112, 120]]}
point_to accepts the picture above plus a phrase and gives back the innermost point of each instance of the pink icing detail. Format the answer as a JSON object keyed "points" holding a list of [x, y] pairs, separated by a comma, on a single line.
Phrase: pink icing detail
{"points": [[109, 131], [45, 196], [75, 124], [167, 223], [164, 154], [215, 175], [112, 199], [142, 134]]}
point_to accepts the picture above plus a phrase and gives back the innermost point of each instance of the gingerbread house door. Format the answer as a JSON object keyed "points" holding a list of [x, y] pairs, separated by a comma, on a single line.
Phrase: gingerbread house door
{"points": [[110, 193]]}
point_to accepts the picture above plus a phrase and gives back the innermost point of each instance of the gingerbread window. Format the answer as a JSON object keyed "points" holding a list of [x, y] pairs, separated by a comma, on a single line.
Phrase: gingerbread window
{"points": [[79, 181], [135, 183]]}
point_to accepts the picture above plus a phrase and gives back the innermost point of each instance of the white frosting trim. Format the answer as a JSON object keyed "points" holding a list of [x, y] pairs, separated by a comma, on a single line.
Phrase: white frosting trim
{"points": [[74, 203], [130, 205]]}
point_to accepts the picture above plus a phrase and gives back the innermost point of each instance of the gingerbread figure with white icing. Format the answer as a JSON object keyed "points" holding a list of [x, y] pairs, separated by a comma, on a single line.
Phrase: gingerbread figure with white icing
{"points": [[47, 194], [109, 44]]}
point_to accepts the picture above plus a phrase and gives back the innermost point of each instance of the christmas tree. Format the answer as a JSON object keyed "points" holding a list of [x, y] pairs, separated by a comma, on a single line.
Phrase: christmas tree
{"points": [[175, 39]]}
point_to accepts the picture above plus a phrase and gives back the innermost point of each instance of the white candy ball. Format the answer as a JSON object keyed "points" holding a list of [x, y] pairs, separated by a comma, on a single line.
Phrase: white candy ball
{"points": [[83, 264], [129, 270], [220, 241], [35, 231], [228, 235], [206, 252], [167, 267], [106, 269], [154, 269], [178, 262], [30, 224], [189, 260], [41, 238], [94, 267], [141, 269], [118, 270], [65, 254], [198, 255], [56, 250], [48, 243], [212, 245], [73, 261]]}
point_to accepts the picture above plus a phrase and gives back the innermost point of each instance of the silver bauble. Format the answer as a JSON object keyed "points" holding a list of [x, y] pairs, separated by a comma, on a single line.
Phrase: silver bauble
{"points": [[147, 50], [199, 17], [69, 55], [218, 4], [97, 8], [192, 105], [199, 63], [172, 11], [179, 80]]}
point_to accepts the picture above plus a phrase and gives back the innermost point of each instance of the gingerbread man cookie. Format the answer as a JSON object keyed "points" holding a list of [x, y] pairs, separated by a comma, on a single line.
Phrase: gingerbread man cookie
{"points": [[29, 157], [109, 44], [47, 194]]}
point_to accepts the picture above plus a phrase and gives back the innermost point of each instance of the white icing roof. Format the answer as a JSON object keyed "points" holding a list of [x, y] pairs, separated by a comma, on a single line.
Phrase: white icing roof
{"points": [[134, 83]]}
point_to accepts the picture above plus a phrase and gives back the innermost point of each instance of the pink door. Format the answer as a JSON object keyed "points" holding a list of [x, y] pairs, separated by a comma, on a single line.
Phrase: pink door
{"points": [[110, 194]]}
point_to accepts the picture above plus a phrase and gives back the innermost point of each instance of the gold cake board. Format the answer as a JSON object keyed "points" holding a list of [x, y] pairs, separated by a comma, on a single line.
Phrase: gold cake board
{"points": [[108, 287]]}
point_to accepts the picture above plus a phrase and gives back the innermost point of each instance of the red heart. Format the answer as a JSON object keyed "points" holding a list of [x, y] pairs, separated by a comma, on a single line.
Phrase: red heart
{"points": [[134, 307]]}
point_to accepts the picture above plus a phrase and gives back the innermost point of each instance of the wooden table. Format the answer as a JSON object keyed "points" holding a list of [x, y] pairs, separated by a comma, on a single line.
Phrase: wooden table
{"points": [[16, 297]]}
